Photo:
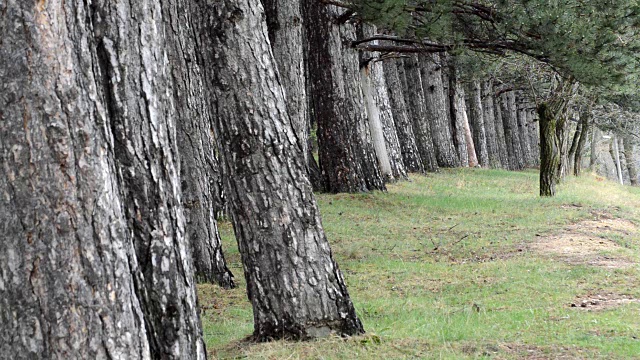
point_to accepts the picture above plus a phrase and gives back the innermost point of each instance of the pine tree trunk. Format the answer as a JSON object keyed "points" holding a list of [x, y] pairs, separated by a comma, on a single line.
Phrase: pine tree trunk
{"points": [[404, 129], [499, 126], [284, 24], [631, 162], [200, 173], [523, 132], [489, 117], [573, 149], [595, 138], [477, 120], [294, 285], [577, 161], [534, 133], [615, 154], [417, 109], [347, 158], [509, 114], [436, 111], [461, 124], [89, 139], [549, 151]]}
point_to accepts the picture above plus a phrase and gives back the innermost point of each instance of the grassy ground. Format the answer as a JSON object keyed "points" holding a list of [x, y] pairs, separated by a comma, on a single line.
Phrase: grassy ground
{"points": [[444, 267]]}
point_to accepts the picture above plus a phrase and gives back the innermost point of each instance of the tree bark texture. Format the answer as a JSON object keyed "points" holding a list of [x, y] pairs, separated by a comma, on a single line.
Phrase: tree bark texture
{"points": [[534, 137], [489, 117], [458, 115], [461, 110], [404, 129], [478, 124], [523, 132], [200, 173], [373, 80], [414, 94], [615, 154], [596, 135], [509, 114], [436, 106], [574, 146], [284, 24], [94, 258], [347, 157], [294, 285], [549, 152], [632, 167]]}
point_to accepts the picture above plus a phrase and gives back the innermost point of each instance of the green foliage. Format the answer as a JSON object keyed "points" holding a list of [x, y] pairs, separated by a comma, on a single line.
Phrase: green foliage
{"points": [[442, 268], [595, 42]]}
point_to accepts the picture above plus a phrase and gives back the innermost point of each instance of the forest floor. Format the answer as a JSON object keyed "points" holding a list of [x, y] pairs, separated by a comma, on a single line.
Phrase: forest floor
{"points": [[467, 264]]}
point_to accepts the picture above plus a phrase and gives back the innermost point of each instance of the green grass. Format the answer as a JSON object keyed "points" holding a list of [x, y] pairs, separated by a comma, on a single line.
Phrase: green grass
{"points": [[441, 268]]}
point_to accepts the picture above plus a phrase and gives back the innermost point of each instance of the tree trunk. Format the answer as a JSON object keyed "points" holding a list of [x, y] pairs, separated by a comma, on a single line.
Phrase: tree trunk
{"points": [[631, 162], [404, 129], [374, 86], [534, 140], [577, 161], [615, 154], [347, 158], [88, 137], [523, 132], [472, 159], [573, 149], [284, 24], [509, 114], [595, 138], [200, 174], [436, 111], [416, 106], [293, 283], [491, 101], [549, 152], [461, 124], [478, 123]]}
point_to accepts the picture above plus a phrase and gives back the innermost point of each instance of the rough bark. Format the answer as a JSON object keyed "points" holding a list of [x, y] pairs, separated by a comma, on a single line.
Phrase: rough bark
{"points": [[284, 24], [489, 117], [534, 133], [416, 106], [549, 152], [458, 114], [200, 173], [630, 160], [294, 285], [523, 132], [93, 254], [596, 134], [436, 111], [502, 143], [509, 113], [461, 110], [573, 149], [394, 76], [347, 158], [476, 115]]}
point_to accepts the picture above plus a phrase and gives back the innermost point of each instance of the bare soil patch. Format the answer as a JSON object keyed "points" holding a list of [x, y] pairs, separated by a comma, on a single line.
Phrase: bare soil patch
{"points": [[586, 242], [602, 301]]}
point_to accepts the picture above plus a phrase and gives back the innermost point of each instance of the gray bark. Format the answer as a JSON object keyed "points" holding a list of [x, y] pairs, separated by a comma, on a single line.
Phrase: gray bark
{"points": [[417, 109], [396, 82], [284, 24], [294, 285], [615, 154], [489, 117], [461, 111], [632, 166], [534, 138], [200, 173], [457, 112], [523, 133], [476, 115], [93, 256], [436, 111], [347, 158], [509, 113]]}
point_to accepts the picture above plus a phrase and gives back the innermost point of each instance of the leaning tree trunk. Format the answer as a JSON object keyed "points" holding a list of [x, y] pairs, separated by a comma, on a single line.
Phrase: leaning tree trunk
{"points": [[476, 114], [417, 109], [461, 110], [573, 149], [200, 172], [347, 158], [615, 154], [436, 111], [284, 24], [631, 162], [404, 129], [93, 253], [294, 285]]}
